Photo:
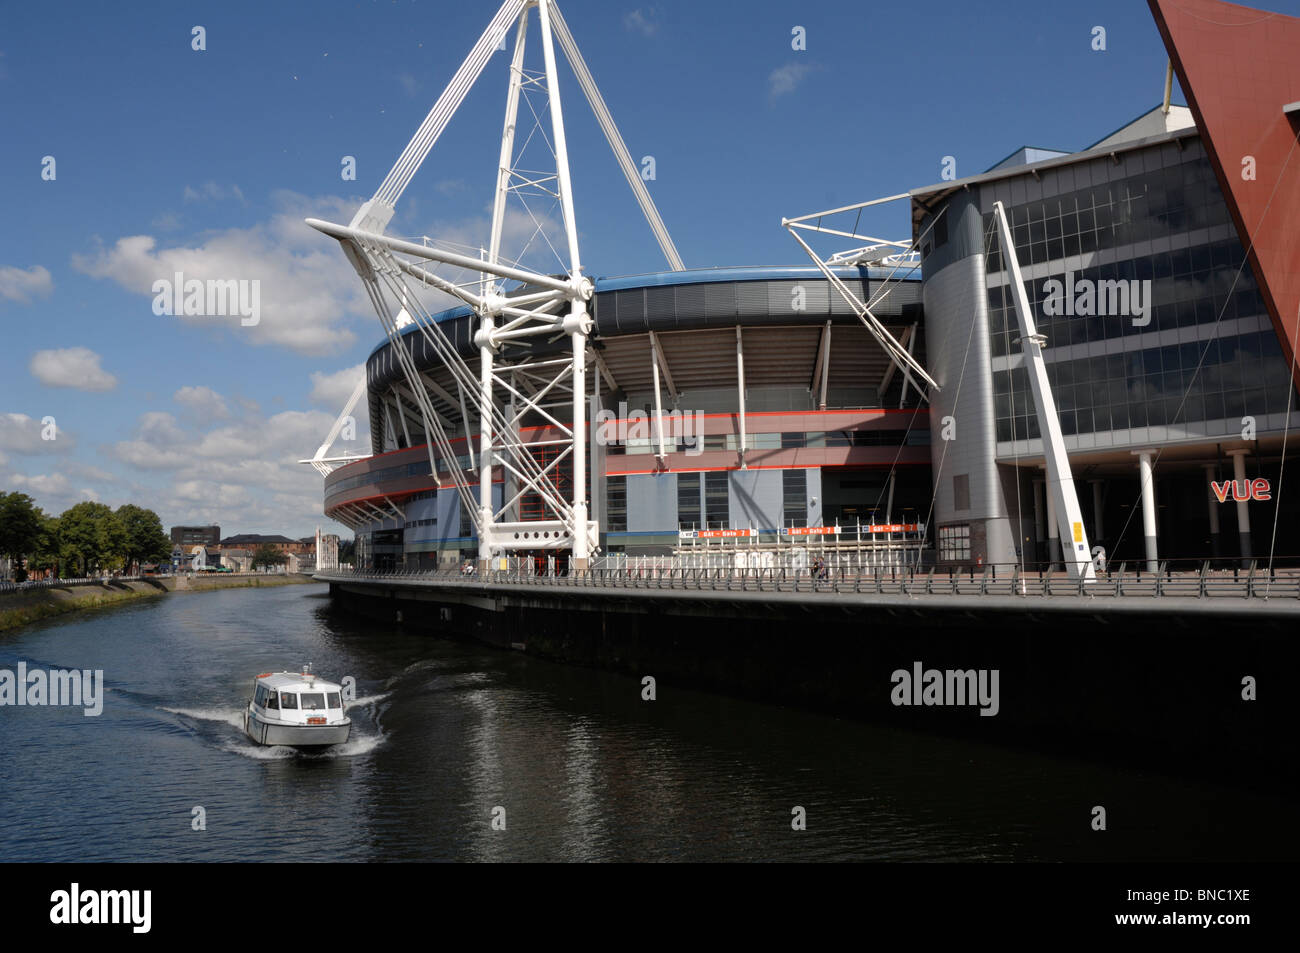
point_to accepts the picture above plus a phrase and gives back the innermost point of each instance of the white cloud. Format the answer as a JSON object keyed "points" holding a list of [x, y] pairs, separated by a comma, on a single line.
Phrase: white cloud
{"points": [[160, 429], [75, 367], [333, 390], [146, 456], [238, 462], [53, 492], [240, 472], [644, 22], [22, 434], [785, 79], [203, 401], [308, 292], [21, 286]]}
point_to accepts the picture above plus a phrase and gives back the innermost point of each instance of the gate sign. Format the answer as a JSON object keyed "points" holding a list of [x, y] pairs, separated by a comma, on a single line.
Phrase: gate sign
{"points": [[813, 531], [892, 528], [714, 533]]}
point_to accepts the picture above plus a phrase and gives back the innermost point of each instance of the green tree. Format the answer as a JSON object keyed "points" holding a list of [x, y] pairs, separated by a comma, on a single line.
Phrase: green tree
{"points": [[45, 553], [20, 525], [145, 539], [92, 536], [268, 556]]}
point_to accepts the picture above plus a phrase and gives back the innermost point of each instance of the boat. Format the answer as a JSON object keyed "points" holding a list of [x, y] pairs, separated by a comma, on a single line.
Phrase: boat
{"points": [[297, 709]]}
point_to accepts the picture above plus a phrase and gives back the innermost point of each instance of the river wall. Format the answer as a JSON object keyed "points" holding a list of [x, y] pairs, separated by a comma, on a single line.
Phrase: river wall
{"points": [[1190, 688]]}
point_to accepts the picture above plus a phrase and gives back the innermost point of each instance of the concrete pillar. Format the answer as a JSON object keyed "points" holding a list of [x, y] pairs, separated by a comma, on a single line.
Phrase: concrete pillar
{"points": [[1039, 532], [1243, 511], [1097, 525], [1213, 503], [1053, 533], [1147, 482]]}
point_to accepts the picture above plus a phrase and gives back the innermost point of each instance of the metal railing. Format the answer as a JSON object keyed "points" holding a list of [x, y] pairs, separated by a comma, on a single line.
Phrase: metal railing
{"points": [[56, 583], [1198, 581]]}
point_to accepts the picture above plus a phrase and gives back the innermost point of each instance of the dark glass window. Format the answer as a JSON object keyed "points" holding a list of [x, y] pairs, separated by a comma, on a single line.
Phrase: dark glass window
{"points": [[716, 497], [794, 497], [616, 504], [961, 492], [688, 499]]}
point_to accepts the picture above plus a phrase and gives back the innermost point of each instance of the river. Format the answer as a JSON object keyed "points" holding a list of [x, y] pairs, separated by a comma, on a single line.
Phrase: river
{"points": [[447, 732]]}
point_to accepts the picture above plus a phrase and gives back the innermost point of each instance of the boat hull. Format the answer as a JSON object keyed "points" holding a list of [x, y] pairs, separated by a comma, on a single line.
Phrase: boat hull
{"points": [[294, 736]]}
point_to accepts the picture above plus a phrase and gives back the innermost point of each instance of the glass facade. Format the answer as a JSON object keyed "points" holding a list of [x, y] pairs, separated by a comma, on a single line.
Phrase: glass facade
{"points": [[1200, 347]]}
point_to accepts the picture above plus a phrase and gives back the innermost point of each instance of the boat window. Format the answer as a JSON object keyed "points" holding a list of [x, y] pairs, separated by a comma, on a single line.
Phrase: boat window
{"points": [[259, 697], [313, 701], [334, 700], [288, 700], [272, 701]]}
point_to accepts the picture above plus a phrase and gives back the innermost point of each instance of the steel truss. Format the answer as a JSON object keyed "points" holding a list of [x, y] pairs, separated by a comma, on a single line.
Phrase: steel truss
{"points": [[876, 252], [541, 306]]}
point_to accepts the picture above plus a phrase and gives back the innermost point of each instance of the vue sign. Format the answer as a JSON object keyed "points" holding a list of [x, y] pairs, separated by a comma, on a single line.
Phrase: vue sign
{"points": [[1242, 490]]}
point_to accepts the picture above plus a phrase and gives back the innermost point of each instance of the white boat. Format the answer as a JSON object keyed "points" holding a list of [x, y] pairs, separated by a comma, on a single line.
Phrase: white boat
{"points": [[297, 709]]}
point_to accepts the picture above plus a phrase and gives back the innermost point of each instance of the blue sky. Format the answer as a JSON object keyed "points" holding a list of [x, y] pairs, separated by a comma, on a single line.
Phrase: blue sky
{"points": [[208, 160]]}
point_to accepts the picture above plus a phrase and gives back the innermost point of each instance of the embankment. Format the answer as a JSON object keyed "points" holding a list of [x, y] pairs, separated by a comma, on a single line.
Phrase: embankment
{"points": [[21, 608]]}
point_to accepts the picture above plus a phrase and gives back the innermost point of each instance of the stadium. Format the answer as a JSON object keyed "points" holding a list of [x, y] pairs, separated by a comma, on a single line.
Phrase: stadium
{"points": [[831, 432], [877, 408]]}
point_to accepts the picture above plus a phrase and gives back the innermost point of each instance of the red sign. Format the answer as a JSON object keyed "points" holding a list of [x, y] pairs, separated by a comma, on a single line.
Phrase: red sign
{"points": [[715, 533], [1242, 490], [812, 531]]}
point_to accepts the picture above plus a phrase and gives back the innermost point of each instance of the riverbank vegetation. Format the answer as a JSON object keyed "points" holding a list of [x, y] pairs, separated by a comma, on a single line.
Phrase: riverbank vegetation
{"points": [[84, 539]]}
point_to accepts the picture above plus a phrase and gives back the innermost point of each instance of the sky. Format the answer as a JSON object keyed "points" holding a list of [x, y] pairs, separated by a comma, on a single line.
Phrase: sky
{"points": [[167, 158]]}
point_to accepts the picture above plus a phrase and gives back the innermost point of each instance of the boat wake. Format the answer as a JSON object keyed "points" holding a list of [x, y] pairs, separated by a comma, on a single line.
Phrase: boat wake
{"points": [[230, 716], [366, 700], [354, 747]]}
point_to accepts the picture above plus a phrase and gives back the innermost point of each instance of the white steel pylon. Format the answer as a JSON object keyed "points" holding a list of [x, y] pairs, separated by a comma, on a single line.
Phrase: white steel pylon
{"points": [[1060, 478], [547, 305]]}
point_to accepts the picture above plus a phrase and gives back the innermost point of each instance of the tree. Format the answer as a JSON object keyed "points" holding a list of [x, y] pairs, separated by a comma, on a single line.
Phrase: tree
{"points": [[45, 553], [145, 539], [267, 556], [20, 525], [92, 535]]}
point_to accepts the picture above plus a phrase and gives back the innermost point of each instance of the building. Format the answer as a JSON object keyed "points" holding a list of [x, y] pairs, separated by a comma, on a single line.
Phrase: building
{"points": [[831, 433], [1195, 386], [237, 560], [1163, 284], [202, 559], [281, 544], [327, 550], [189, 536]]}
